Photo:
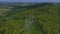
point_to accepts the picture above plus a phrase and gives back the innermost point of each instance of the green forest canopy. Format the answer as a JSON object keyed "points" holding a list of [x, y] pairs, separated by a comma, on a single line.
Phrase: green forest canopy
{"points": [[46, 19]]}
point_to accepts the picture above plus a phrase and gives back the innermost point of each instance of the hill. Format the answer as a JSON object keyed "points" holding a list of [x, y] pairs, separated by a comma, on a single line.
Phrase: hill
{"points": [[34, 19]]}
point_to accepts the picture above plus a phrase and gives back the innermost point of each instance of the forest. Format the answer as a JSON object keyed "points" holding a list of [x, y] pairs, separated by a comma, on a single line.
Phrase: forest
{"points": [[41, 18]]}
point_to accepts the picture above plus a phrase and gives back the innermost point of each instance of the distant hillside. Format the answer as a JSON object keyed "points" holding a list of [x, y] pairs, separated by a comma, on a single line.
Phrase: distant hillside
{"points": [[12, 4]]}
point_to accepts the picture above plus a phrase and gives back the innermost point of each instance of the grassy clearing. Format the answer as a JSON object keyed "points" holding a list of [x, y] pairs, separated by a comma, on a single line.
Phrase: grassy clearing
{"points": [[2, 10]]}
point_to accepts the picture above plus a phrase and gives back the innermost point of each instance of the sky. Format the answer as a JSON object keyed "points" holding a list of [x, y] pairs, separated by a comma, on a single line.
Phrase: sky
{"points": [[29, 0]]}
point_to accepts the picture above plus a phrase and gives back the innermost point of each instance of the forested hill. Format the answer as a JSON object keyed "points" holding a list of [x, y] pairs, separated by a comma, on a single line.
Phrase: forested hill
{"points": [[34, 19]]}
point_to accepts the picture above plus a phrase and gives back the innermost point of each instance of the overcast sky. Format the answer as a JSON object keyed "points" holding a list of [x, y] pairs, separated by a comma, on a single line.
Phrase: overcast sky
{"points": [[29, 0]]}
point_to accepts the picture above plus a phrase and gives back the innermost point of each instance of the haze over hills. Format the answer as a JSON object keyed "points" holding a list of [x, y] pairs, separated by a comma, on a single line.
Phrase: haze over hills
{"points": [[16, 3]]}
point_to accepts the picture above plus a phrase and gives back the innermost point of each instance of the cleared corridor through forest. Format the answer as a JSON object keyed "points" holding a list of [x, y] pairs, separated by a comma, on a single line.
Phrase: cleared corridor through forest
{"points": [[29, 20]]}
